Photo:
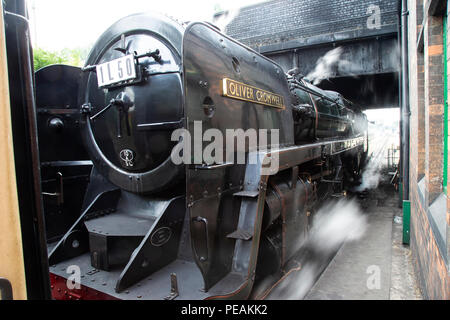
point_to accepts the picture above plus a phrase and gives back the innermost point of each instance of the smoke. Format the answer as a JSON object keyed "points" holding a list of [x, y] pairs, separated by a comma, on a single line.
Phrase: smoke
{"points": [[334, 62], [335, 223], [329, 65], [372, 172], [371, 175], [224, 19], [383, 134]]}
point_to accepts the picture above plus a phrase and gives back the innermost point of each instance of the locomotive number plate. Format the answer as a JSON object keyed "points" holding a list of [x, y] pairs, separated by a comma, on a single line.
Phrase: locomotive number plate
{"points": [[116, 71]]}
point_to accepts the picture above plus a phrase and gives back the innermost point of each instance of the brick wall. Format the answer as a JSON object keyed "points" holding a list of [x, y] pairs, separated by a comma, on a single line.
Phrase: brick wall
{"points": [[434, 106], [284, 20], [448, 136], [428, 263], [426, 138], [416, 91]]}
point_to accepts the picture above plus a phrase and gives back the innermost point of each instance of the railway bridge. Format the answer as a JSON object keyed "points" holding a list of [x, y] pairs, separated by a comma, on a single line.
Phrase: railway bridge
{"points": [[352, 41]]}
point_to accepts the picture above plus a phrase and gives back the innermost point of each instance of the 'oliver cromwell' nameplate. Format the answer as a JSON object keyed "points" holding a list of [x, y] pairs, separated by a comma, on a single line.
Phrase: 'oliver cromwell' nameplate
{"points": [[237, 90]]}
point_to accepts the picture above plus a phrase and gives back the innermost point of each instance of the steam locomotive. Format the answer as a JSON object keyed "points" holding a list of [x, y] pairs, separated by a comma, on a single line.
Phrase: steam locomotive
{"points": [[139, 226]]}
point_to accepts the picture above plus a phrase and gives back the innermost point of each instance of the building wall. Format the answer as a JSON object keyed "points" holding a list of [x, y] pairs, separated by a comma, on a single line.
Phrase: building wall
{"points": [[279, 21], [429, 204]]}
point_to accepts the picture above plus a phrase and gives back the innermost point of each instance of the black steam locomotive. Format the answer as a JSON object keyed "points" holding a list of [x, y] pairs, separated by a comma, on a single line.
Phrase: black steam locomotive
{"points": [[140, 226]]}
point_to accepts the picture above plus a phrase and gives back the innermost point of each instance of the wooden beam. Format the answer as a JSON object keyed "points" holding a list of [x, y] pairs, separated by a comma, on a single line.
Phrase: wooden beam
{"points": [[12, 264]]}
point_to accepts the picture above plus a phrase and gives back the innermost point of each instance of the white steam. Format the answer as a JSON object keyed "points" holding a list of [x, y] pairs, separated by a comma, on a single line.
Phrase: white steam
{"points": [[335, 223], [224, 19], [329, 65], [383, 134], [372, 172], [298, 288]]}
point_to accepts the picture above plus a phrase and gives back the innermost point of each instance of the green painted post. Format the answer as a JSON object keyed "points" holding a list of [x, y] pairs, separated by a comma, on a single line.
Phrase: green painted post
{"points": [[406, 220]]}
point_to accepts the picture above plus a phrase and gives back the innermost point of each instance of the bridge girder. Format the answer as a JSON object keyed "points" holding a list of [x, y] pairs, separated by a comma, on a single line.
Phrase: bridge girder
{"points": [[366, 70]]}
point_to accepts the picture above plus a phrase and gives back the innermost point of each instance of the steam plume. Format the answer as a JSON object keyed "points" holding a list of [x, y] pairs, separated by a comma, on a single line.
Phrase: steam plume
{"points": [[225, 18], [383, 133], [328, 65], [334, 224]]}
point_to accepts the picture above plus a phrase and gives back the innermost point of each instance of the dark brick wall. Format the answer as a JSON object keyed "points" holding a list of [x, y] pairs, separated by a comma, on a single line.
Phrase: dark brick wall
{"points": [[284, 20], [428, 263], [434, 106], [426, 136]]}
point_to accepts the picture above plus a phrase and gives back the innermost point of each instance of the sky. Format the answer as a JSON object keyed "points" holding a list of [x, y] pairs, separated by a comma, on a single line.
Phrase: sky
{"points": [[59, 24], [384, 130]]}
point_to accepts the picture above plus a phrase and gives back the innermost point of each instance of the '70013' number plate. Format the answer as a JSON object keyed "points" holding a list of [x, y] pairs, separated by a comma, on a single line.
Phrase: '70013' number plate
{"points": [[116, 71]]}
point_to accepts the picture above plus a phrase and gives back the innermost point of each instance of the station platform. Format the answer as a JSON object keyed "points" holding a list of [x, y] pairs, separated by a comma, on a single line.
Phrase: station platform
{"points": [[377, 266]]}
